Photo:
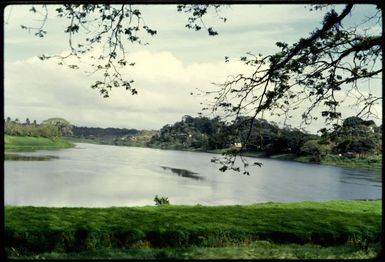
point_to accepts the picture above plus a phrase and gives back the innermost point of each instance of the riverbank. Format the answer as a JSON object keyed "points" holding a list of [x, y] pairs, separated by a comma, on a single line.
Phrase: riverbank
{"points": [[27, 143], [333, 229], [371, 163]]}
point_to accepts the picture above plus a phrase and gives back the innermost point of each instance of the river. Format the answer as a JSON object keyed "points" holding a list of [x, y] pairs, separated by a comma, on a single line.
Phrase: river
{"points": [[91, 175]]}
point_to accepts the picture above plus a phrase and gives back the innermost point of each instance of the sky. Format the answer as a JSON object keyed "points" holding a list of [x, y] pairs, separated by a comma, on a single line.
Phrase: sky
{"points": [[176, 62]]}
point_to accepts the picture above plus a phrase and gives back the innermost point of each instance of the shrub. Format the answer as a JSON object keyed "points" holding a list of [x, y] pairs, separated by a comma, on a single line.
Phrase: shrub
{"points": [[316, 150], [161, 201]]}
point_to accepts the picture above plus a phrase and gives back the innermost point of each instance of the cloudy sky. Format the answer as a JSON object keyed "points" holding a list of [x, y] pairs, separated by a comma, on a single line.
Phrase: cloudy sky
{"points": [[176, 62]]}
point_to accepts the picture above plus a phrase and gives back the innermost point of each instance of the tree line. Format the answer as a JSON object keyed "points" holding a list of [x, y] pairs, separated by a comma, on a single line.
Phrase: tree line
{"points": [[49, 128], [354, 137], [92, 132]]}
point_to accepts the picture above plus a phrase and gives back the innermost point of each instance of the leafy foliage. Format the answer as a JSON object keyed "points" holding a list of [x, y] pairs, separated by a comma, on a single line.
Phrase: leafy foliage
{"points": [[192, 133], [101, 31], [197, 12], [53, 127], [356, 136], [88, 132], [314, 69], [319, 71], [160, 201], [315, 149], [64, 127]]}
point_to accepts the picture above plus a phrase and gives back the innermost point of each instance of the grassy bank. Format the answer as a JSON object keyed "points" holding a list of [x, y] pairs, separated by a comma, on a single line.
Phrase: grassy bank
{"points": [[196, 231], [372, 162], [27, 143], [255, 250]]}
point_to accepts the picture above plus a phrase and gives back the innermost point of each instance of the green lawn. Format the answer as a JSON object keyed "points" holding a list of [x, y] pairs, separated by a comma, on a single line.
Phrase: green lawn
{"points": [[27, 143], [334, 229], [255, 250]]}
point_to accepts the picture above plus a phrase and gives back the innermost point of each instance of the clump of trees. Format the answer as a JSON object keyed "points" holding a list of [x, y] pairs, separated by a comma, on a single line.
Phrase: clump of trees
{"points": [[355, 137], [92, 132], [315, 149], [50, 128], [204, 133], [268, 137], [193, 133]]}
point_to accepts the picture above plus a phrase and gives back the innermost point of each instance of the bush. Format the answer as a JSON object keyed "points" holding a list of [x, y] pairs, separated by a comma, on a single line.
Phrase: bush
{"points": [[168, 238], [315, 149], [127, 237], [161, 201]]}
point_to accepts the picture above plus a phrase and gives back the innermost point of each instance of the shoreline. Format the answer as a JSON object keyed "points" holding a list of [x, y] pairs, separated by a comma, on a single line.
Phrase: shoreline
{"points": [[364, 164], [371, 163]]}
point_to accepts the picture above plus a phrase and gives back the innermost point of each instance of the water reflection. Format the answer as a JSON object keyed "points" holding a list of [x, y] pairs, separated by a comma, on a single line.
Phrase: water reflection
{"points": [[360, 177], [183, 172], [102, 176], [18, 157]]}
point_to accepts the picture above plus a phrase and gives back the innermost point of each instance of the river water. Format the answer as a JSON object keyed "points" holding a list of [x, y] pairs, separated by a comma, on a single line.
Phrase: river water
{"points": [[103, 176]]}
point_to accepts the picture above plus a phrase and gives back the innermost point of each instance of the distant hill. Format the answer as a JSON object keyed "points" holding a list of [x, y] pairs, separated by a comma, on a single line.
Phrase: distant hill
{"points": [[111, 136]]}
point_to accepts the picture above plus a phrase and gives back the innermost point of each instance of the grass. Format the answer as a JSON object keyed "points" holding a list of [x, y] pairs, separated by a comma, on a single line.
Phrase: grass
{"points": [[197, 231], [26, 143], [255, 250]]}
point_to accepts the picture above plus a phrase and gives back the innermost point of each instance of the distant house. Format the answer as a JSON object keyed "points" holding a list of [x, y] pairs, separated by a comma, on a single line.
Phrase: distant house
{"points": [[350, 154], [237, 145]]}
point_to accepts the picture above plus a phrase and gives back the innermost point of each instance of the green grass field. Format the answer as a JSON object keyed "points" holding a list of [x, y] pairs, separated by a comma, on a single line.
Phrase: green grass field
{"points": [[26, 143], [255, 250], [334, 229]]}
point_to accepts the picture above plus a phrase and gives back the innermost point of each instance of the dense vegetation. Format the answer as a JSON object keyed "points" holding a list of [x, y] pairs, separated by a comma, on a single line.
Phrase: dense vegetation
{"points": [[355, 224], [355, 138], [199, 133], [202, 133], [91, 132], [50, 128], [29, 136]]}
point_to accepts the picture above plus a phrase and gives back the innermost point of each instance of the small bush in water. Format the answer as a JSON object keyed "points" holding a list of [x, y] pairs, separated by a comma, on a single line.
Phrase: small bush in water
{"points": [[161, 201]]}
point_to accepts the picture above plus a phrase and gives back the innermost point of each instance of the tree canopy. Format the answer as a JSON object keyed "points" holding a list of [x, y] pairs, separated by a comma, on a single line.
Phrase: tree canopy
{"points": [[318, 71]]}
